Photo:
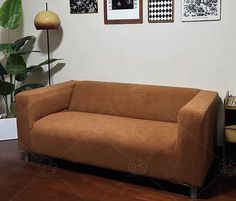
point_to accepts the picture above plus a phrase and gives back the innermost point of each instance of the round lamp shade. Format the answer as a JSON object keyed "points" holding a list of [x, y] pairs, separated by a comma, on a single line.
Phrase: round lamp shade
{"points": [[46, 20]]}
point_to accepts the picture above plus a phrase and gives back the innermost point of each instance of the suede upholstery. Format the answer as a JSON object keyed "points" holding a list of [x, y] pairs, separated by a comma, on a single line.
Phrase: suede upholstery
{"points": [[131, 100], [162, 132], [111, 142], [35, 104]]}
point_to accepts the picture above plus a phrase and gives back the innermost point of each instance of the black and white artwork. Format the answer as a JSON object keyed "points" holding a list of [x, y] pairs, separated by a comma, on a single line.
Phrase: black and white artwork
{"points": [[160, 11], [83, 6], [123, 11], [122, 4], [199, 10]]}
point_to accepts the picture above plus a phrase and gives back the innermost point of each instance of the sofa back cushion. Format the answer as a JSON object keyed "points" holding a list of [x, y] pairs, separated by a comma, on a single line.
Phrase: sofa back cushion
{"points": [[130, 100]]}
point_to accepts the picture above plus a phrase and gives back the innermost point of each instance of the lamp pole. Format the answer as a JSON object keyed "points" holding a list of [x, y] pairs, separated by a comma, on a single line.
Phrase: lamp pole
{"points": [[46, 20], [48, 48]]}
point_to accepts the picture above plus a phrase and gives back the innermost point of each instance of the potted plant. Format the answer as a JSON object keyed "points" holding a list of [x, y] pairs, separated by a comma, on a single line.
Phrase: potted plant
{"points": [[14, 72]]}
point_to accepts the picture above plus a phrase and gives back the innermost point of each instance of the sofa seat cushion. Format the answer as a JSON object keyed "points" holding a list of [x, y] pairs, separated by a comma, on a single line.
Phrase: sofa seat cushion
{"points": [[120, 143]]}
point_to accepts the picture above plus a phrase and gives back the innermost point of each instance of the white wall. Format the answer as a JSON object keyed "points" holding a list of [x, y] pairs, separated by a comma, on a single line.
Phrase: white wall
{"points": [[195, 54]]}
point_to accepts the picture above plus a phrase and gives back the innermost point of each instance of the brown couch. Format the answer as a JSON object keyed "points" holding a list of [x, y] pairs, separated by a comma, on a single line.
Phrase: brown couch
{"points": [[161, 132]]}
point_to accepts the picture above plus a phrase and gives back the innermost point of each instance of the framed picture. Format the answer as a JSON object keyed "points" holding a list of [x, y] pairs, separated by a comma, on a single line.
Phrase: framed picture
{"points": [[123, 11], [83, 6], [160, 11], [200, 10]]}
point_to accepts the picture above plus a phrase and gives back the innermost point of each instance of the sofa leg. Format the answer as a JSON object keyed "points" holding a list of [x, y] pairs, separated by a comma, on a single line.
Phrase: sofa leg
{"points": [[193, 192], [26, 156]]}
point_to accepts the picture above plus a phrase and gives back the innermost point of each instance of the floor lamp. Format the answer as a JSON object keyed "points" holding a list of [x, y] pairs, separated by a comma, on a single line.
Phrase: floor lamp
{"points": [[47, 20]]}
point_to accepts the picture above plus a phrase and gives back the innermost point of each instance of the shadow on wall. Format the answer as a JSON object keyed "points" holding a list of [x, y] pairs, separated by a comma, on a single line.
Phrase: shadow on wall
{"points": [[29, 46], [42, 77], [55, 37], [10, 36]]}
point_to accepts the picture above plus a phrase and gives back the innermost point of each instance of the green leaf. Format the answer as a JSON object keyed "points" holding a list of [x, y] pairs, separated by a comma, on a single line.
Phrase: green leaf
{"points": [[18, 44], [31, 69], [28, 87], [22, 77], [50, 61], [26, 52], [2, 70], [11, 14], [5, 47], [34, 68], [6, 88], [15, 64]]}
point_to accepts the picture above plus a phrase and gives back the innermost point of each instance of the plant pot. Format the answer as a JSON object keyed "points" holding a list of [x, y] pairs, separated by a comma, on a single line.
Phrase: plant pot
{"points": [[8, 130]]}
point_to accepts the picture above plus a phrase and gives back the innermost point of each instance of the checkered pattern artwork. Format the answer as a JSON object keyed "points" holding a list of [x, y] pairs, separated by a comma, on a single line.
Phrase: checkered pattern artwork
{"points": [[161, 11]]}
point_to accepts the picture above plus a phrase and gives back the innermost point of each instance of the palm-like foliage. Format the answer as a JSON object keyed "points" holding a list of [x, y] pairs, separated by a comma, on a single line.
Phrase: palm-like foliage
{"points": [[14, 72]]}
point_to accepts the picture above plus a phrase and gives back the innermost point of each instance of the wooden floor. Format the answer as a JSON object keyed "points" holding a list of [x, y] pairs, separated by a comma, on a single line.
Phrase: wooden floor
{"points": [[60, 181]]}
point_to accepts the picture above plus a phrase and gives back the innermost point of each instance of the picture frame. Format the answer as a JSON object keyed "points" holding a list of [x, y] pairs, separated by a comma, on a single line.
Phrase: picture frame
{"points": [[123, 11], [201, 10], [83, 6], [160, 11]]}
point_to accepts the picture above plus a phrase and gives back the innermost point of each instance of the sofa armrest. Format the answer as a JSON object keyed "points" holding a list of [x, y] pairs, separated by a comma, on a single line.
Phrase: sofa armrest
{"points": [[196, 132], [34, 104]]}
